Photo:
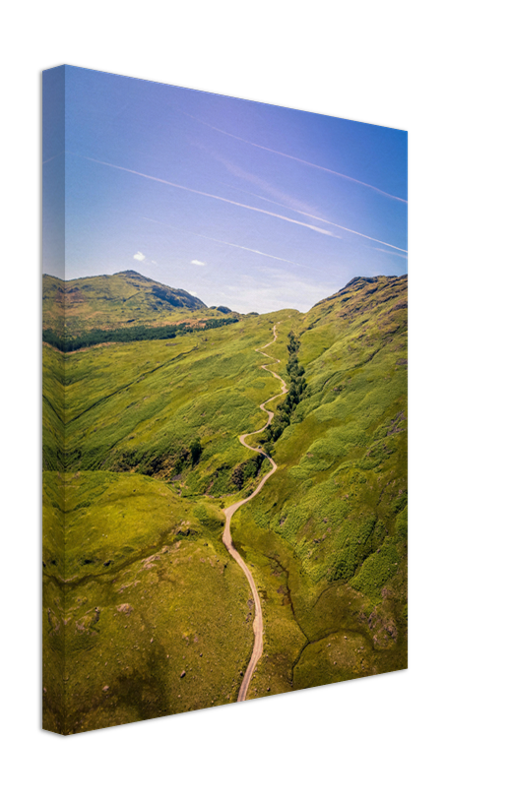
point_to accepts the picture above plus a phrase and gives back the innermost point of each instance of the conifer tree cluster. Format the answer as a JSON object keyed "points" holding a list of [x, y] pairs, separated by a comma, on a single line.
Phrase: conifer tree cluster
{"points": [[138, 333]]}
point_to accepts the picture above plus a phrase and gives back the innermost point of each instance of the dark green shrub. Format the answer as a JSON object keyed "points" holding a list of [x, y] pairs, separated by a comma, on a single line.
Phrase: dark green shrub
{"points": [[196, 451]]}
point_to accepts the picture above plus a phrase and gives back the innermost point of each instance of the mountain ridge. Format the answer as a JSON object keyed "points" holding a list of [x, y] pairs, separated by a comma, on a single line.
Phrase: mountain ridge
{"points": [[128, 297], [111, 301], [355, 284]]}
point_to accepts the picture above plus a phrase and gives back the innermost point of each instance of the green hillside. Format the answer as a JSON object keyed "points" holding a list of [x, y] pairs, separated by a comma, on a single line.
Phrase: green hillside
{"points": [[328, 533], [116, 301], [146, 590]]}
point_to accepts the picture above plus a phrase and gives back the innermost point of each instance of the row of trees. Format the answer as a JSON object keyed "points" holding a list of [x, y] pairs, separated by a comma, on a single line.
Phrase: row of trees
{"points": [[136, 334], [297, 385]]}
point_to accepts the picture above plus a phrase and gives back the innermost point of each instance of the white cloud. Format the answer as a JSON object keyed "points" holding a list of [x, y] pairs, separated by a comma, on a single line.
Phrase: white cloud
{"points": [[198, 263], [139, 256]]}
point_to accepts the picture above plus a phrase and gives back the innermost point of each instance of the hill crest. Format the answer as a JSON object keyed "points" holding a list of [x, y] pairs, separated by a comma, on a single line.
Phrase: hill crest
{"points": [[121, 299]]}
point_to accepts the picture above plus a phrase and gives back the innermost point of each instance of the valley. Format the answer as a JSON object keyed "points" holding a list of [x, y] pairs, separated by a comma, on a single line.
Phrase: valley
{"points": [[144, 452]]}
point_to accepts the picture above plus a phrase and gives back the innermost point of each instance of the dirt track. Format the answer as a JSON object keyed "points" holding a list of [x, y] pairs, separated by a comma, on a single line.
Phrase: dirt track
{"points": [[227, 539]]}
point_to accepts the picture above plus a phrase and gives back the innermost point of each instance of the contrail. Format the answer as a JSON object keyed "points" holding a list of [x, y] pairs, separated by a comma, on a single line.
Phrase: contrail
{"points": [[51, 158], [294, 158], [214, 197], [231, 244], [319, 219], [357, 233], [250, 208], [381, 250]]}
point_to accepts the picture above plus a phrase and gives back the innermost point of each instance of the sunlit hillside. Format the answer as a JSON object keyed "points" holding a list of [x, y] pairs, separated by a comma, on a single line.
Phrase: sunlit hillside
{"points": [[155, 615]]}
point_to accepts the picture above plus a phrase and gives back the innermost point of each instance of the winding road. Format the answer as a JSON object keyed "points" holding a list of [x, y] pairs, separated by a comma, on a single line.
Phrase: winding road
{"points": [[230, 511]]}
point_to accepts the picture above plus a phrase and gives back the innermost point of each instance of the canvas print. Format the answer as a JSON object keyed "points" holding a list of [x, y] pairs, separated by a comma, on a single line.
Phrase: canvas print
{"points": [[225, 400]]}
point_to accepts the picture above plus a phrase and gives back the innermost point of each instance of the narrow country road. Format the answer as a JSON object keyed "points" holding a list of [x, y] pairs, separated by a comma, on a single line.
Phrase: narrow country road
{"points": [[227, 539]]}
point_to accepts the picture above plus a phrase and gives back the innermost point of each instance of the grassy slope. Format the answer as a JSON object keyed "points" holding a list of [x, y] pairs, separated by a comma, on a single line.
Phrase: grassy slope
{"points": [[115, 301], [53, 512], [189, 598], [137, 405], [330, 567], [333, 564], [149, 594]]}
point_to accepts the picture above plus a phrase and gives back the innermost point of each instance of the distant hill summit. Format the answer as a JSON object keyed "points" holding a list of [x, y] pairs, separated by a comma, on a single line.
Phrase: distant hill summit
{"points": [[132, 274], [107, 301], [222, 309], [367, 286]]}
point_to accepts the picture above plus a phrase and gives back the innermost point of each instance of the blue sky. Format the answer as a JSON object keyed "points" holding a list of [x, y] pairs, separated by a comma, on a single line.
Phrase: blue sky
{"points": [[243, 204]]}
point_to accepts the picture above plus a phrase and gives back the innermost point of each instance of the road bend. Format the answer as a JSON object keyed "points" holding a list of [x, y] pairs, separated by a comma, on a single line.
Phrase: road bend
{"points": [[230, 511]]}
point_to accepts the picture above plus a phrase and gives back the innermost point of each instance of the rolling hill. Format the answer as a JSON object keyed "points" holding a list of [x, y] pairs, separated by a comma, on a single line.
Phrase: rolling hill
{"points": [[142, 455], [112, 301]]}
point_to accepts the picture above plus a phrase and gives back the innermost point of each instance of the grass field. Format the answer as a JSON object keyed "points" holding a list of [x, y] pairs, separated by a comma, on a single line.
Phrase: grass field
{"points": [[149, 594], [143, 589]]}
